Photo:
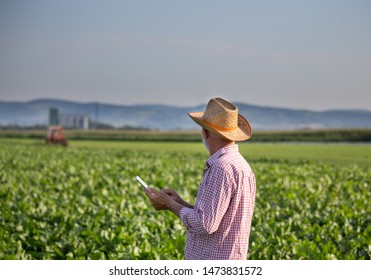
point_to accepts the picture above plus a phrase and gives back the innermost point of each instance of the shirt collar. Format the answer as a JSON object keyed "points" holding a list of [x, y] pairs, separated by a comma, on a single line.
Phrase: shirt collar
{"points": [[226, 149]]}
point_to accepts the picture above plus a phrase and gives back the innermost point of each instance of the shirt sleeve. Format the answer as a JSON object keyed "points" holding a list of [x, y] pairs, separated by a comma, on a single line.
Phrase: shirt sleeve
{"points": [[212, 202]]}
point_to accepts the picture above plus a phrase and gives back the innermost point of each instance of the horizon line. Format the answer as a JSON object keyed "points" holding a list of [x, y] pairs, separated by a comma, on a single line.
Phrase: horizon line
{"points": [[187, 106]]}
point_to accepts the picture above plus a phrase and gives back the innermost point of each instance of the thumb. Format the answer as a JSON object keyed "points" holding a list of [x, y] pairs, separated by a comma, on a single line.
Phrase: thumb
{"points": [[149, 192], [168, 191]]}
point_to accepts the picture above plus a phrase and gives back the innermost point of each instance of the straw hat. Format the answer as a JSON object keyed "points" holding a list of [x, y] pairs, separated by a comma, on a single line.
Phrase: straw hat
{"points": [[222, 118]]}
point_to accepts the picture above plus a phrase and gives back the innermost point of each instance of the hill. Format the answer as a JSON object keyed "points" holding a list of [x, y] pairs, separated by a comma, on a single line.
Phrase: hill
{"points": [[164, 117]]}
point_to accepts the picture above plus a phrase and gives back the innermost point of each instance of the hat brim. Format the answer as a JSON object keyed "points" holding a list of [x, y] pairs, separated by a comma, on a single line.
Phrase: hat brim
{"points": [[241, 133]]}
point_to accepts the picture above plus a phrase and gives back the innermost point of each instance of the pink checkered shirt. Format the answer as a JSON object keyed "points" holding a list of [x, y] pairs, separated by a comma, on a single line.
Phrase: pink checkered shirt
{"points": [[218, 227]]}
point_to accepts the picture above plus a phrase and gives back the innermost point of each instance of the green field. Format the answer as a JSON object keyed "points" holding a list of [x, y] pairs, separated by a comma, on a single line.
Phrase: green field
{"points": [[335, 153], [83, 202], [359, 135]]}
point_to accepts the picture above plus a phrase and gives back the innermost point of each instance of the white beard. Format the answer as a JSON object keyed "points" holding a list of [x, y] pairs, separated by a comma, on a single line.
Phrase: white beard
{"points": [[204, 141]]}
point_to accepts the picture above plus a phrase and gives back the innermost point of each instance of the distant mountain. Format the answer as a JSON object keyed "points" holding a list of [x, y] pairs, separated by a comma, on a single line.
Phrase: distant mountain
{"points": [[165, 117]]}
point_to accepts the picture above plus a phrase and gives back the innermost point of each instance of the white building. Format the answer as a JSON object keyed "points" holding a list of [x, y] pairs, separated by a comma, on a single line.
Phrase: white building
{"points": [[74, 121]]}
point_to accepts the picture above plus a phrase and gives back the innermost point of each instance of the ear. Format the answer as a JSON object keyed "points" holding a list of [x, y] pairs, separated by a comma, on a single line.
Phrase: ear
{"points": [[207, 133]]}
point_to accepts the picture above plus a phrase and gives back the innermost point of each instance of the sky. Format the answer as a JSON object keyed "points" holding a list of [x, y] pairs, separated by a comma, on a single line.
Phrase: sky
{"points": [[313, 54]]}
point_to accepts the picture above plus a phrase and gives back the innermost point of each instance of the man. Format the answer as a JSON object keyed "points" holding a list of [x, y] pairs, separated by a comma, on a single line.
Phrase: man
{"points": [[218, 225]]}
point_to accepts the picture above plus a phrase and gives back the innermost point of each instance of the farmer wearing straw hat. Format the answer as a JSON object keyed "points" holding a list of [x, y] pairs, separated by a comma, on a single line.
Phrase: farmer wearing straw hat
{"points": [[218, 225]]}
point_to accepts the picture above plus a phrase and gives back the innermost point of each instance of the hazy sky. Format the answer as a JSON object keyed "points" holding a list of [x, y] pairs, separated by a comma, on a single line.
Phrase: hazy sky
{"points": [[297, 54]]}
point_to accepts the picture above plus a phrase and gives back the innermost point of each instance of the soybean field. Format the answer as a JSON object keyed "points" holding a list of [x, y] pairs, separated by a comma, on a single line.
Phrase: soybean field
{"points": [[82, 202]]}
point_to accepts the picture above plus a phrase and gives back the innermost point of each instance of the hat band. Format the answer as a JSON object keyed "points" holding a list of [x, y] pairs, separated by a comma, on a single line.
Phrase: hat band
{"points": [[218, 128]]}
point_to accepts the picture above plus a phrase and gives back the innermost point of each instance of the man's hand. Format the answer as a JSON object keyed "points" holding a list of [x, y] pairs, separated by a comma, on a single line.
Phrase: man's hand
{"points": [[161, 201]]}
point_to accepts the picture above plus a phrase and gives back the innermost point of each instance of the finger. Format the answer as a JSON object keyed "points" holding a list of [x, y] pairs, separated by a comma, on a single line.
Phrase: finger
{"points": [[168, 191], [152, 192], [149, 192], [146, 191]]}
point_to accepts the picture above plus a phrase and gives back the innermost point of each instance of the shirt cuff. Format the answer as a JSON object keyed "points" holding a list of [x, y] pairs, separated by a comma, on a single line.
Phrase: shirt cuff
{"points": [[183, 216]]}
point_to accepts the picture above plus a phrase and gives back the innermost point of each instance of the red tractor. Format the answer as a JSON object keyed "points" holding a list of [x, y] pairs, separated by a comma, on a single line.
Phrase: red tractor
{"points": [[56, 136]]}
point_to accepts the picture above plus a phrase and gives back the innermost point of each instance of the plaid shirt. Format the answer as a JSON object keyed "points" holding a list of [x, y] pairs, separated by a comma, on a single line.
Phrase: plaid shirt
{"points": [[218, 227]]}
